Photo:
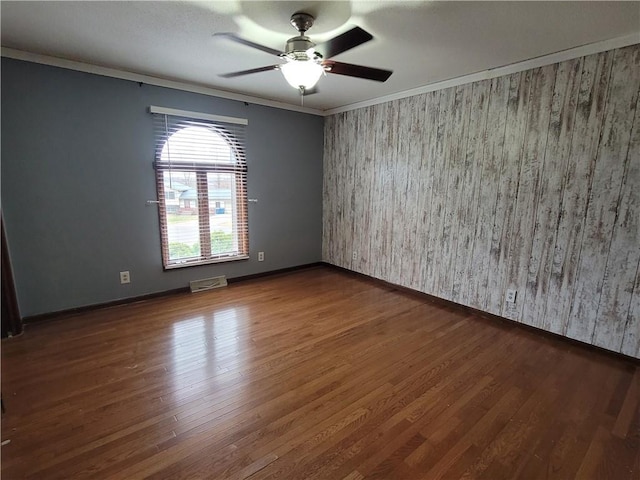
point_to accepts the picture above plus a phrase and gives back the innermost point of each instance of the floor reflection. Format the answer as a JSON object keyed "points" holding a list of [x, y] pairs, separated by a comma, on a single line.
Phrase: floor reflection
{"points": [[205, 348]]}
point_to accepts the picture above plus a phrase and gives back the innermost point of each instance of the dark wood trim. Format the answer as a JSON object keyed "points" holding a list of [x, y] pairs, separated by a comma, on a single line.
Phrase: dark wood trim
{"points": [[44, 317], [11, 321], [272, 273], [480, 313], [124, 301]]}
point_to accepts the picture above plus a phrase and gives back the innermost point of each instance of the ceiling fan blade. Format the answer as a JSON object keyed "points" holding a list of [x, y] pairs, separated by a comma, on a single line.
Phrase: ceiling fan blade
{"points": [[343, 42], [233, 37], [359, 71], [248, 72]]}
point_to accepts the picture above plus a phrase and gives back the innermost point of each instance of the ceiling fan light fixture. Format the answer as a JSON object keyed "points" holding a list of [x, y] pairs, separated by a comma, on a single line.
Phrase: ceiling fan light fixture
{"points": [[302, 73], [304, 65]]}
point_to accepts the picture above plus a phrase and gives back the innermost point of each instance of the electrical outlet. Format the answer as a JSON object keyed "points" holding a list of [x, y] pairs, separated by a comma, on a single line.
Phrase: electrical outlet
{"points": [[261, 256], [125, 277], [510, 297], [354, 255]]}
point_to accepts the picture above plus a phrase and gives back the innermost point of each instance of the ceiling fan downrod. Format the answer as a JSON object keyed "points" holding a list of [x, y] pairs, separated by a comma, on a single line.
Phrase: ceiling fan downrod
{"points": [[304, 65], [301, 47]]}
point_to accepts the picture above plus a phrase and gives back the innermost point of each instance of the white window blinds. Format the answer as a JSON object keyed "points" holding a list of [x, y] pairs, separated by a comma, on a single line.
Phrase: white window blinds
{"points": [[201, 174]]}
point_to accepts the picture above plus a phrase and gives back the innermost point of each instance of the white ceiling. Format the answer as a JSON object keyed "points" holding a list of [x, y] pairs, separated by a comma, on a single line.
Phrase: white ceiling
{"points": [[422, 42]]}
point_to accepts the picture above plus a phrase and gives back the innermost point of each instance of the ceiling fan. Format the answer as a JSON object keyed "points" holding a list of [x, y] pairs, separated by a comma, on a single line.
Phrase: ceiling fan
{"points": [[305, 62]]}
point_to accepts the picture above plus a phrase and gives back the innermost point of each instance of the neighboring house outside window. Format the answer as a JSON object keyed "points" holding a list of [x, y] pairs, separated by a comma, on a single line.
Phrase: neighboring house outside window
{"points": [[201, 179]]}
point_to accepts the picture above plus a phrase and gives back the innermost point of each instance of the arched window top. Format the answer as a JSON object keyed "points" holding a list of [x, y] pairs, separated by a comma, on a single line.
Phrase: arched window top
{"points": [[201, 177], [195, 144]]}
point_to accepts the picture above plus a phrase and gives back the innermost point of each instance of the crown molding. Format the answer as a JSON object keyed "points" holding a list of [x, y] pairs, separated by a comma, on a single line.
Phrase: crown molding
{"points": [[149, 80], [541, 61]]}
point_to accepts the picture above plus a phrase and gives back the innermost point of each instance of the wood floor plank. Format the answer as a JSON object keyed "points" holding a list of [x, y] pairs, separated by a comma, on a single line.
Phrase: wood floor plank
{"points": [[629, 408], [316, 374]]}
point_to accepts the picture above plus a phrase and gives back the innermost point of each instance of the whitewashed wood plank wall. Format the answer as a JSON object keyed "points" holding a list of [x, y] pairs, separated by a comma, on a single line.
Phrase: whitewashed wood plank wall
{"points": [[529, 181]]}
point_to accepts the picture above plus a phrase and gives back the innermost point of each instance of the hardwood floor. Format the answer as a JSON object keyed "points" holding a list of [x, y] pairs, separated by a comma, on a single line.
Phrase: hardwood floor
{"points": [[314, 374]]}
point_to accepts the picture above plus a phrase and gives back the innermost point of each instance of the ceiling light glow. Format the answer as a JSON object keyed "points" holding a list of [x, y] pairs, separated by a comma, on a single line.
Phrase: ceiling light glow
{"points": [[302, 73]]}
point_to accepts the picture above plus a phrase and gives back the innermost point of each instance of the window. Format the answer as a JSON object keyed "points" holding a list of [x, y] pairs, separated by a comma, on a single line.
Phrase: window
{"points": [[200, 165]]}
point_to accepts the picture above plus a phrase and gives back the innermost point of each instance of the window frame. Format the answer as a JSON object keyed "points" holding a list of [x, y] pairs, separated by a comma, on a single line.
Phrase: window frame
{"points": [[229, 130]]}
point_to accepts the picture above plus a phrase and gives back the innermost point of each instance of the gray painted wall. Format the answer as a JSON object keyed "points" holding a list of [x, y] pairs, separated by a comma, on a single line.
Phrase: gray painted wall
{"points": [[529, 181], [77, 153]]}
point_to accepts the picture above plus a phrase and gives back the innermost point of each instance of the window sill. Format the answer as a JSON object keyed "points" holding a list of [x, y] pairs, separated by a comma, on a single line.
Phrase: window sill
{"points": [[206, 262]]}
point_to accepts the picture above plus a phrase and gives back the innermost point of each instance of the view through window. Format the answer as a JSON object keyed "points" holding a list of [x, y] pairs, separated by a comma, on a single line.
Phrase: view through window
{"points": [[201, 180]]}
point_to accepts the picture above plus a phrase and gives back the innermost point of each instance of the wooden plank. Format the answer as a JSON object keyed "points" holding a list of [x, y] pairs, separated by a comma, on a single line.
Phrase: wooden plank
{"points": [[478, 274], [343, 250], [365, 193], [355, 475], [327, 191], [593, 457], [469, 192], [604, 196], [255, 466], [376, 190], [528, 193], [402, 204], [415, 194], [433, 261], [455, 143], [563, 110], [518, 105], [333, 193], [344, 180], [629, 408], [624, 252], [363, 190], [331, 190], [428, 172], [592, 98], [389, 219], [355, 189], [381, 191], [379, 241]]}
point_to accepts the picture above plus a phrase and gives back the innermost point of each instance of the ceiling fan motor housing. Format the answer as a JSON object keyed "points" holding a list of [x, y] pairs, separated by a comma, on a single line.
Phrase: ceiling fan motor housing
{"points": [[304, 65], [297, 48]]}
